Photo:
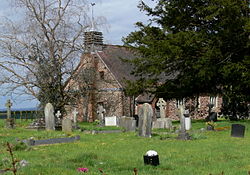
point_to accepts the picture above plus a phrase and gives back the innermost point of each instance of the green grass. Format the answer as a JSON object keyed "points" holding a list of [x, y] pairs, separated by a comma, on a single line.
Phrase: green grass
{"points": [[119, 153]]}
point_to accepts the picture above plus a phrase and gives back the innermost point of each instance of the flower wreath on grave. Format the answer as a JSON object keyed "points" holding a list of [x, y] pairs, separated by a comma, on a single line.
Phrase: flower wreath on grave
{"points": [[210, 125]]}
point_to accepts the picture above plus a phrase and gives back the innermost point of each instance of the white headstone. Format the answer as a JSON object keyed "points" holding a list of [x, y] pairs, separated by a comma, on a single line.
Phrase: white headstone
{"points": [[187, 123], [111, 121], [58, 114], [49, 117]]}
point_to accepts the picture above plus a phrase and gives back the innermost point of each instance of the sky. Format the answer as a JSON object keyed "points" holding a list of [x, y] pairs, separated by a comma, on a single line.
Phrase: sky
{"points": [[121, 15]]}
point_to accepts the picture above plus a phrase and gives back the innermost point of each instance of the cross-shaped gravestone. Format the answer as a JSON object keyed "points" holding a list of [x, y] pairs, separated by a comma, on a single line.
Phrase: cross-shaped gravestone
{"points": [[101, 111], [162, 104], [58, 114], [75, 116], [183, 135], [8, 106]]}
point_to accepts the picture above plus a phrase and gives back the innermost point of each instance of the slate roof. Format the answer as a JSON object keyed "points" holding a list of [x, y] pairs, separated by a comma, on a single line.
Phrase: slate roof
{"points": [[112, 56]]}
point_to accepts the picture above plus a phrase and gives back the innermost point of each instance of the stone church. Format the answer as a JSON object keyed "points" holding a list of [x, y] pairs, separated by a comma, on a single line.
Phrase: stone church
{"points": [[101, 80]]}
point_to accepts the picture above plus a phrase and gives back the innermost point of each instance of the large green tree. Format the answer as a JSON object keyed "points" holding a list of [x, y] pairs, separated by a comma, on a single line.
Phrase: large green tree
{"points": [[194, 46]]}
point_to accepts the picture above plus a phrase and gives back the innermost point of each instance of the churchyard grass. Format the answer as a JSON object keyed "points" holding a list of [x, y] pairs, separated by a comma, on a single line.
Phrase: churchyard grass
{"points": [[213, 152]]}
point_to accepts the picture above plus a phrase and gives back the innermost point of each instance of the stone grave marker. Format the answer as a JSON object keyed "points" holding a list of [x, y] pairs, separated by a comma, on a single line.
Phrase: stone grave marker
{"points": [[58, 121], [162, 122], [10, 122], [128, 123], [66, 125], [183, 135], [101, 111], [145, 114], [162, 104], [238, 130], [8, 106], [75, 113], [187, 120], [111, 121], [165, 123], [32, 142], [49, 117]]}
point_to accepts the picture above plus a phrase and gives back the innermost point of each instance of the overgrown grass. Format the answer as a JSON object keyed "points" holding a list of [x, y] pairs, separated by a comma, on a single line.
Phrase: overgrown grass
{"points": [[119, 153]]}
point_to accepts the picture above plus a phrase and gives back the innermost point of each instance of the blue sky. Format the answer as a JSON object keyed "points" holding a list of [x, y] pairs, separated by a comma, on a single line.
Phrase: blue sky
{"points": [[121, 16]]}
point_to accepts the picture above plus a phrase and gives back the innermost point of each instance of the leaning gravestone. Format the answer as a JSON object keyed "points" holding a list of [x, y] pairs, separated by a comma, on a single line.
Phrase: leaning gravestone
{"points": [[66, 125], [49, 117], [145, 114]]}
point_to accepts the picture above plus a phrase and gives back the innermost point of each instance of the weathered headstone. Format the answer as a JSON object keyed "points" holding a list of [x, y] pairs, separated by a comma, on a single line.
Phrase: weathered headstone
{"points": [[32, 142], [10, 123], [75, 112], [8, 106], [145, 114], [49, 117], [183, 135], [66, 125], [162, 104], [111, 121], [128, 123], [238, 130], [164, 123], [101, 111]]}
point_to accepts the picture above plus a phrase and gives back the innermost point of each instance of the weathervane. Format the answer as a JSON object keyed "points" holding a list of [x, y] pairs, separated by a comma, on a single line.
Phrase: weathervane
{"points": [[92, 19]]}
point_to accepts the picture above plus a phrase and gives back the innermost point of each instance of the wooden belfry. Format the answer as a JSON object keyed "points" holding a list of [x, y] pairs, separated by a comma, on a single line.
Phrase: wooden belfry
{"points": [[93, 40]]}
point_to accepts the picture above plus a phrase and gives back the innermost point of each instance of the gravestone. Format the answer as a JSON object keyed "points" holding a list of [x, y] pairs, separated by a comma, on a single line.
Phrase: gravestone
{"points": [[32, 142], [66, 125], [75, 118], [111, 121], [128, 123], [10, 122], [164, 123], [183, 135], [58, 121], [49, 117], [38, 124], [145, 114], [238, 130], [162, 104], [187, 120], [8, 106], [187, 123], [101, 111]]}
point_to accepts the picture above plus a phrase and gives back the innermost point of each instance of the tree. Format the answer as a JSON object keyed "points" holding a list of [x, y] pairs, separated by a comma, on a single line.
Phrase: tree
{"points": [[192, 47], [40, 50]]}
